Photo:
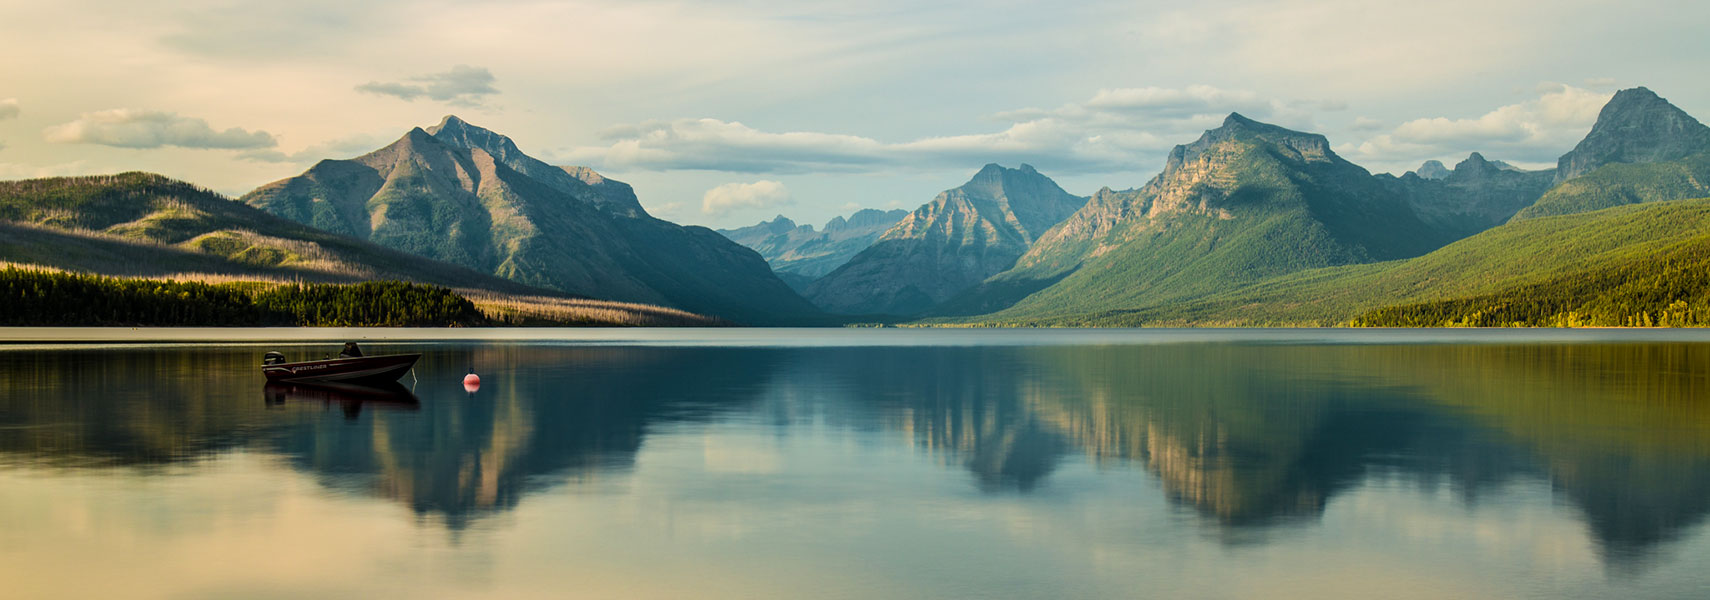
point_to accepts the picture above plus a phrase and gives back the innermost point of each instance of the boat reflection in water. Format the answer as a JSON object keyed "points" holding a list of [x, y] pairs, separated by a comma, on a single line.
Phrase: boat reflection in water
{"points": [[351, 397]]}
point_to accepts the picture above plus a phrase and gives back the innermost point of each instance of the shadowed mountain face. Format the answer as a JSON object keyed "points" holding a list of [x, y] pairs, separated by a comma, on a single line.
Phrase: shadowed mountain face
{"points": [[466, 195], [799, 254], [1477, 195], [963, 236], [1246, 201], [1636, 126]]}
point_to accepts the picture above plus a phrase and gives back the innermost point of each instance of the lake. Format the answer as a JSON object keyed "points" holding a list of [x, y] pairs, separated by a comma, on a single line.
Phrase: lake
{"points": [[861, 464]]}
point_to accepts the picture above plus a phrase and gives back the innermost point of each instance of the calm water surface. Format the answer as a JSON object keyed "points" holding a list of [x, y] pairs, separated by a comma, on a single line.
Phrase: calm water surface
{"points": [[866, 464]]}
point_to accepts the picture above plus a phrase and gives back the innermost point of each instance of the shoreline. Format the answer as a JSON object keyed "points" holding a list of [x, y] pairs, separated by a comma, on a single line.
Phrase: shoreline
{"points": [[17, 338]]}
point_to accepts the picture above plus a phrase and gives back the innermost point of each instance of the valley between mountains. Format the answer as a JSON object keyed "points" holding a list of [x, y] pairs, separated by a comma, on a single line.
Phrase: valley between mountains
{"points": [[1250, 225]]}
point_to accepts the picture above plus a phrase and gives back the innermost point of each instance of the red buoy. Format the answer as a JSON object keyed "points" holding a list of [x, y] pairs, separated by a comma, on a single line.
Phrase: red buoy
{"points": [[471, 382]]}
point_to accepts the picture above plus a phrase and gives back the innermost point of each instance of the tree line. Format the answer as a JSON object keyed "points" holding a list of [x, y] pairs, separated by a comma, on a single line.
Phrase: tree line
{"points": [[1671, 289], [46, 298]]}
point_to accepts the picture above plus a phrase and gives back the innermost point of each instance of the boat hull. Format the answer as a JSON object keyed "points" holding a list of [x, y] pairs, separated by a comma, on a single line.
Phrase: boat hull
{"points": [[362, 368]]}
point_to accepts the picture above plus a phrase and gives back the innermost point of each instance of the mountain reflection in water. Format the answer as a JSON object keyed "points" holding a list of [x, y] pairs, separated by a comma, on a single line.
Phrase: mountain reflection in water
{"points": [[1248, 437]]}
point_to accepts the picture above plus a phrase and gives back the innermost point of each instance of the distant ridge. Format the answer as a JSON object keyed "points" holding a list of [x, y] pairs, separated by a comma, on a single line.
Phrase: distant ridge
{"points": [[800, 253], [963, 236]]}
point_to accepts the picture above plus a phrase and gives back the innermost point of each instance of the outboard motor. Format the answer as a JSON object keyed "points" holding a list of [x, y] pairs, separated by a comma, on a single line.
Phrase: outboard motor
{"points": [[273, 358]]}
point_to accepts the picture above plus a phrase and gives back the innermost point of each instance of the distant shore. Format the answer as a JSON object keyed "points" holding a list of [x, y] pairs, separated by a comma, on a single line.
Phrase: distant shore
{"points": [[18, 338]]}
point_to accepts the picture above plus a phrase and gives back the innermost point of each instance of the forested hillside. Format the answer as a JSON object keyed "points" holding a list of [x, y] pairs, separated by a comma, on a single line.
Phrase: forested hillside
{"points": [[1671, 289]]}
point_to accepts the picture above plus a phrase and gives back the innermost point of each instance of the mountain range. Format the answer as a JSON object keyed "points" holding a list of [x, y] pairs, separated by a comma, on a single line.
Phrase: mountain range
{"points": [[1251, 224], [799, 254], [963, 236], [1086, 272]]}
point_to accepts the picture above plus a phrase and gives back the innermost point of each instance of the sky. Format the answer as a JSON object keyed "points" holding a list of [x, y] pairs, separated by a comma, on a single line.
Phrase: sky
{"points": [[726, 113]]}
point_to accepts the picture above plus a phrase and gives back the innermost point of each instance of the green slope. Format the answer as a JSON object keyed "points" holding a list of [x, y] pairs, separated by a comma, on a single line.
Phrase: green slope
{"points": [[1524, 252], [1668, 289], [1622, 183]]}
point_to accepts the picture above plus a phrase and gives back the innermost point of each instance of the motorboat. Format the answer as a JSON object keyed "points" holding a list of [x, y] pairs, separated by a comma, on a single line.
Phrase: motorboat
{"points": [[347, 367]]}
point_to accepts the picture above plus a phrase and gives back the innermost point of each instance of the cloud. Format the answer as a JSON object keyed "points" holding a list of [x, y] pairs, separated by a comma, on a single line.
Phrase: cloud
{"points": [[131, 128], [1536, 130], [463, 85], [1600, 83], [669, 209], [730, 196], [9, 109], [1366, 124], [1115, 130], [17, 171], [338, 148]]}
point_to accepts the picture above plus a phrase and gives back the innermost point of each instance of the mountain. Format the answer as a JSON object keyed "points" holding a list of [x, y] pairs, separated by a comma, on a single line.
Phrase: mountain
{"points": [[144, 224], [1477, 195], [467, 195], [963, 236], [1642, 149], [1246, 201], [1432, 169], [1636, 126], [800, 253]]}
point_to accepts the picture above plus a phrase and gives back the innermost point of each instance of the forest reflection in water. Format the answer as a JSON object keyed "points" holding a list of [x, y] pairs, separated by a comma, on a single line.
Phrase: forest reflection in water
{"points": [[1245, 439]]}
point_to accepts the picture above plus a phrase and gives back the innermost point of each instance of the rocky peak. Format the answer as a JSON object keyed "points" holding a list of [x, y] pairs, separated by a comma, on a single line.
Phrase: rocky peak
{"points": [[991, 175], [781, 224], [1477, 168], [1308, 147], [1475, 162], [459, 133], [417, 146], [582, 183], [1034, 202], [872, 217], [587, 175], [616, 195], [1636, 126], [1432, 169]]}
